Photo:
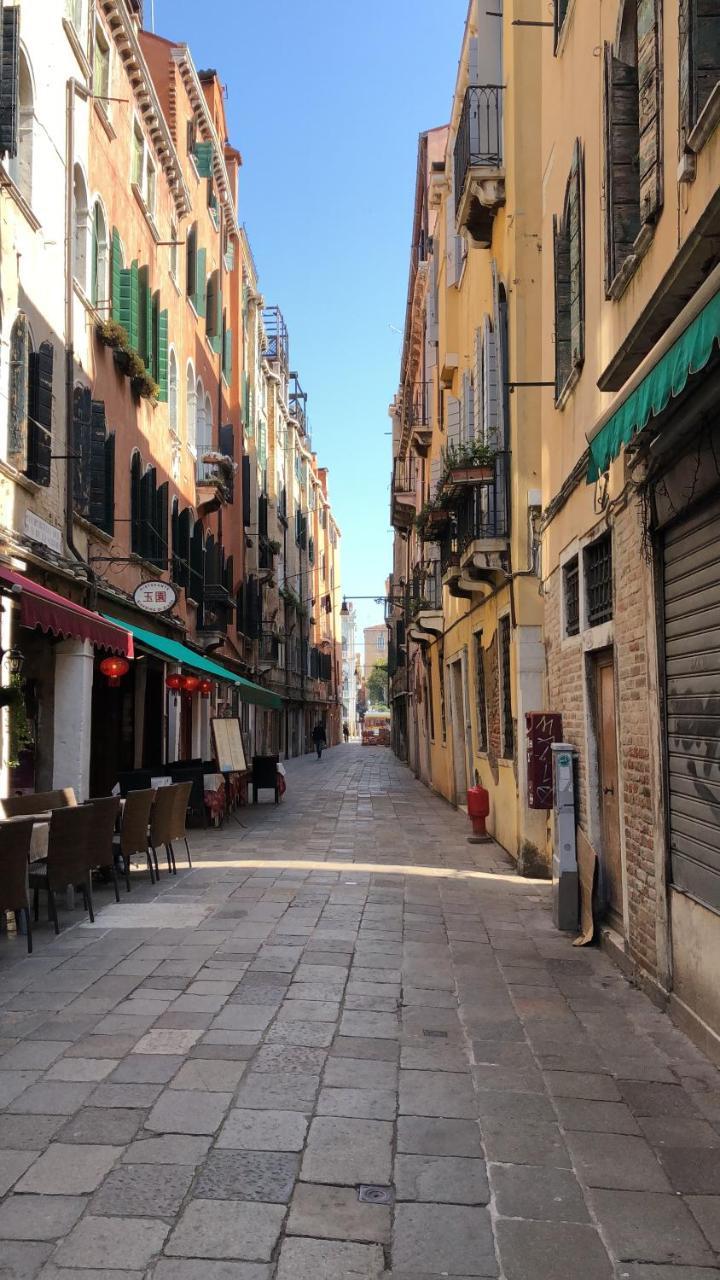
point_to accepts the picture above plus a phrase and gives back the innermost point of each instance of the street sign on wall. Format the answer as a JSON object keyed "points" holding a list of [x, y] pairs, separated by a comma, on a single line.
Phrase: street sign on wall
{"points": [[155, 597]]}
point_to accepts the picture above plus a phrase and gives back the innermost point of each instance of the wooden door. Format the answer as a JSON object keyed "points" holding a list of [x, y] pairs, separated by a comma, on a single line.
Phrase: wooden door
{"points": [[609, 784], [458, 732]]}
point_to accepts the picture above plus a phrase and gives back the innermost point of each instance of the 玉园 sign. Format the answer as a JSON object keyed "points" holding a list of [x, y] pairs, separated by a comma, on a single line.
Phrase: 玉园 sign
{"points": [[155, 597]]}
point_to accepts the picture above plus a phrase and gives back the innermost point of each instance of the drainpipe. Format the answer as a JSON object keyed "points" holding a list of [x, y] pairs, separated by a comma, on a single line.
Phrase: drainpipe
{"points": [[73, 88]]}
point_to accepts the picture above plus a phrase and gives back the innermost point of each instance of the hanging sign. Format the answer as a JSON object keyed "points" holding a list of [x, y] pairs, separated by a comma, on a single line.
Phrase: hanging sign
{"points": [[155, 597]]}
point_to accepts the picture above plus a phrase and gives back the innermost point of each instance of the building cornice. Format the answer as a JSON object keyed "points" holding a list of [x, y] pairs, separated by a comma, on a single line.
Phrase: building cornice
{"points": [[138, 73], [182, 58]]}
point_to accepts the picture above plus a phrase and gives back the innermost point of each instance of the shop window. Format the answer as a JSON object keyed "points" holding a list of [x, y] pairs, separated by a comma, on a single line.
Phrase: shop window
{"points": [[633, 165], [94, 462], [481, 708], [598, 581], [568, 239], [571, 593], [99, 290], [508, 726], [699, 47]]}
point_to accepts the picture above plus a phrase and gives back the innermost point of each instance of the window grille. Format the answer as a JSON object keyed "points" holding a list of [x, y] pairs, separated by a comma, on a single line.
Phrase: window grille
{"points": [[480, 693], [508, 729], [598, 581], [571, 582]]}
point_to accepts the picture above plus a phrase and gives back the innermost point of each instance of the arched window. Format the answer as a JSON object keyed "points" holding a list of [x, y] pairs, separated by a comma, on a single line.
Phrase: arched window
{"points": [[80, 229], [99, 285], [21, 165], [173, 392], [191, 409], [207, 442], [17, 425]]}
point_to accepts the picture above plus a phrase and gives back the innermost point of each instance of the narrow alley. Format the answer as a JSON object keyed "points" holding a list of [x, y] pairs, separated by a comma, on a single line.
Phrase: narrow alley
{"points": [[346, 1044]]}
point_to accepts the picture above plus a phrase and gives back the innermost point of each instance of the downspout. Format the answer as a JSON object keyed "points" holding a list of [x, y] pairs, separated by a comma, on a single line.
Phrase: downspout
{"points": [[73, 88]]}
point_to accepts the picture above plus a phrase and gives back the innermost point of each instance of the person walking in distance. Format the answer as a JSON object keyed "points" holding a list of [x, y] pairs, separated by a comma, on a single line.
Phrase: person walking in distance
{"points": [[319, 738], [346, 732]]}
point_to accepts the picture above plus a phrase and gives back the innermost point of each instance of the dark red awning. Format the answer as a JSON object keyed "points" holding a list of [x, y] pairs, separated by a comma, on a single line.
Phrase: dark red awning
{"points": [[49, 611]]}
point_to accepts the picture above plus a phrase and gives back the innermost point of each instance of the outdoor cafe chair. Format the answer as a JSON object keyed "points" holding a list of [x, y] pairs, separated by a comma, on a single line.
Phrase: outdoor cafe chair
{"points": [[102, 830], [38, 802], [15, 840], [68, 859], [179, 817], [133, 836], [161, 825]]}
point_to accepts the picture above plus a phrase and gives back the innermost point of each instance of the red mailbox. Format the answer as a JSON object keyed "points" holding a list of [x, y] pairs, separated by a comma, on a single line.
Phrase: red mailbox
{"points": [[543, 728]]}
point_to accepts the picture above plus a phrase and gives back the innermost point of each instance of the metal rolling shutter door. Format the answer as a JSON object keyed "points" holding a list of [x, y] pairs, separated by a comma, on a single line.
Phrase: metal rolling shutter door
{"points": [[691, 574]]}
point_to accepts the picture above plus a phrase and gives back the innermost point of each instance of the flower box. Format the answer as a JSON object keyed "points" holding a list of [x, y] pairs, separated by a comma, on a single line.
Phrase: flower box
{"points": [[470, 475]]}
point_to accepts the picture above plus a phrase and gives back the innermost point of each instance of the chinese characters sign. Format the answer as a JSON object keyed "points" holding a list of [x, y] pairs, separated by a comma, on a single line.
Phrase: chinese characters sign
{"points": [[543, 728], [155, 597]]}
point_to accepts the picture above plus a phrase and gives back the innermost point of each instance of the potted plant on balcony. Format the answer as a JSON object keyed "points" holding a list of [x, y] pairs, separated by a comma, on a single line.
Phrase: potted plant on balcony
{"points": [[275, 546], [469, 463]]}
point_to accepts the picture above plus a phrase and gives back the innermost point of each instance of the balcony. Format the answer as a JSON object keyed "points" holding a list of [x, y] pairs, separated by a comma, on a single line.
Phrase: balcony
{"points": [[417, 413], [483, 530], [214, 614], [268, 650], [425, 601], [479, 171], [278, 343], [403, 493], [214, 482]]}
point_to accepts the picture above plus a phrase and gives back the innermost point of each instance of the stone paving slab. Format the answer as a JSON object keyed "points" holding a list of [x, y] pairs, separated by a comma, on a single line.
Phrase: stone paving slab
{"points": [[355, 996]]}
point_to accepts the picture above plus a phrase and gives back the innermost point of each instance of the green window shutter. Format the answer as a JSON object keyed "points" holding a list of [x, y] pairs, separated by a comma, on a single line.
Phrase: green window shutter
{"points": [[129, 303], [575, 231], [117, 269], [162, 355], [200, 281], [202, 151], [227, 355], [145, 313]]}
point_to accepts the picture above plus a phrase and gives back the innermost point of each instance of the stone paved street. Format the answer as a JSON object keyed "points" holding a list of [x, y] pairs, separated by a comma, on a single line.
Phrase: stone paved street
{"points": [[348, 1043]]}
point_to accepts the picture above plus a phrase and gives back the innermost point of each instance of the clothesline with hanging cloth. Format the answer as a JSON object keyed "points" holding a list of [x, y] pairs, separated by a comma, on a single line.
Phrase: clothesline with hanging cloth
{"points": [[174, 651], [53, 613], [688, 354]]}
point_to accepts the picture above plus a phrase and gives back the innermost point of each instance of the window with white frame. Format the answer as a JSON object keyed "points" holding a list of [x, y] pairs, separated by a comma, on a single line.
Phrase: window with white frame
{"points": [[138, 155], [173, 392], [144, 174], [101, 66], [75, 13], [100, 258], [80, 228], [20, 166], [150, 188], [191, 409], [380, 642]]}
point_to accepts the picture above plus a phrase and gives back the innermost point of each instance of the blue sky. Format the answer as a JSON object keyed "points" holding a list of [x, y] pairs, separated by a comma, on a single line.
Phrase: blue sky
{"points": [[325, 102]]}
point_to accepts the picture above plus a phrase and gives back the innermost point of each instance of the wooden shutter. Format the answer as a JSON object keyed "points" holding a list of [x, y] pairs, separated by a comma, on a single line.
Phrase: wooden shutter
{"points": [[435, 473], [182, 559], [145, 318], [228, 355], [649, 80], [162, 353], [246, 505], [197, 564], [96, 489], [116, 276], [705, 51], [227, 448], [453, 419], [478, 384], [82, 448], [202, 152], [191, 262], [162, 502], [575, 234], [686, 69], [468, 407], [200, 281], [217, 339], [622, 176], [10, 82], [136, 504], [108, 523], [561, 247], [130, 303], [17, 444], [490, 386], [452, 259], [40, 410]]}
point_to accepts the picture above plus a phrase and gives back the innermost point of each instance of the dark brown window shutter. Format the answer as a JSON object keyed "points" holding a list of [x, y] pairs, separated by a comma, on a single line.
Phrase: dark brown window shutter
{"points": [[10, 81], [81, 447], [576, 248], [622, 177], [96, 486], [17, 445], [562, 306], [650, 123], [109, 516], [136, 504], [160, 523], [40, 411]]}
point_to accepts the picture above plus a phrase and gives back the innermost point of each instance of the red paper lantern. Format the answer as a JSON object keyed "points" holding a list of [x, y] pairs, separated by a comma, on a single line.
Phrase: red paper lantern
{"points": [[114, 669], [190, 684], [206, 687], [174, 682]]}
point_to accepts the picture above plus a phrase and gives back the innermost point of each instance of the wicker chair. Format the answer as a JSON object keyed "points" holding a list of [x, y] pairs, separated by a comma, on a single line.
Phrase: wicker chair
{"points": [[179, 820], [38, 802], [133, 837], [14, 853], [68, 859], [102, 831], [161, 825]]}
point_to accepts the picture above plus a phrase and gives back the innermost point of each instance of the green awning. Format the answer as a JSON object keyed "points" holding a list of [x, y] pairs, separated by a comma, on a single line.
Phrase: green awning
{"points": [[180, 653], [689, 354]]}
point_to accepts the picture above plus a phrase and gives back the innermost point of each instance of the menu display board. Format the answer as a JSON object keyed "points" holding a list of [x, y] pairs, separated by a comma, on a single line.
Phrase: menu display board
{"points": [[229, 750]]}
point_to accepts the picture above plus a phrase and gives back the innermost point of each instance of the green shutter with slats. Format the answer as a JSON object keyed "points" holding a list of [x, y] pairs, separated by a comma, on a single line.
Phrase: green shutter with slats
{"points": [[145, 312], [129, 303], [162, 356], [227, 355], [216, 341], [117, 270], [200, 282], [202, 152]]}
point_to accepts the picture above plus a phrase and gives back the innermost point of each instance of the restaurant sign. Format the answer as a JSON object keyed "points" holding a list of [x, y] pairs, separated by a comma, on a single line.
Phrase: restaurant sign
{"points": [[155, 597]]}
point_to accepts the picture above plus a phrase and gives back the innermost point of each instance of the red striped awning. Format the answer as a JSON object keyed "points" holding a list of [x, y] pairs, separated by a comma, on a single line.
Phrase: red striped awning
{"points": [[51, 612]]}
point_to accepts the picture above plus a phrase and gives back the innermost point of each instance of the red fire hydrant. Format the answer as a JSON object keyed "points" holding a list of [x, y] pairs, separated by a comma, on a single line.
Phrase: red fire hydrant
{"points": [[478, 800]]}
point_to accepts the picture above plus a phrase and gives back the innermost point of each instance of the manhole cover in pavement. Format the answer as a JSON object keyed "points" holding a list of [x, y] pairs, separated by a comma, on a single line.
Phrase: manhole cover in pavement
{"points": [[436, 1035], [375, 1195]]}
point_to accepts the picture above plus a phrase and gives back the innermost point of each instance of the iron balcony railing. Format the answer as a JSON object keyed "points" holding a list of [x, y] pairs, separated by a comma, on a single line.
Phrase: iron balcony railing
{"points": [[418, 404], [404, 475], [482, 510], [479, 137], [278, 343]]}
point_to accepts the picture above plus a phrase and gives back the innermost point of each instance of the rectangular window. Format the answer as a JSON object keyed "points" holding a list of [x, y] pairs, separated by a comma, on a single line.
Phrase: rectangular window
{"points": [[381, 643], [174, 251], [138, 154], [150, 184], [571, 590], [508, 728], [101, 65], [480, 693], [598, 581]]}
